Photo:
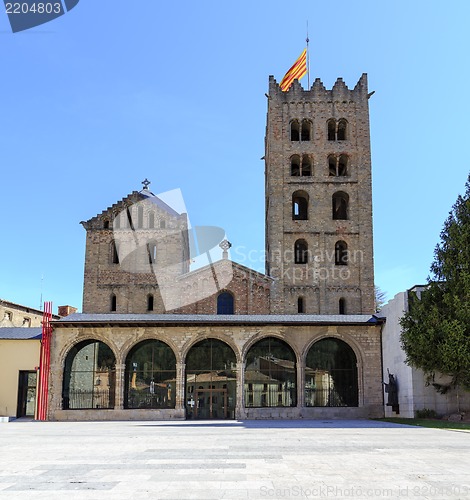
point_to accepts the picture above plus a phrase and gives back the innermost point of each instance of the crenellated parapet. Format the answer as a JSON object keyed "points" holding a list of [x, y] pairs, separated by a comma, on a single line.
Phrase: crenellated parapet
{"points": [[318, 92]]}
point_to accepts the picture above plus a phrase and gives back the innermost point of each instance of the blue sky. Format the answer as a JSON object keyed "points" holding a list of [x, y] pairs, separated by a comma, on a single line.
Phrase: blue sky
{"points": [[113, 92]]}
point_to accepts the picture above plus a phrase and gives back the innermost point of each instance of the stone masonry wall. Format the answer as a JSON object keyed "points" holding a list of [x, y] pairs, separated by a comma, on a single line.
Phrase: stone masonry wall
{"points": [[133, 277], [364, 340], [19, 316]]}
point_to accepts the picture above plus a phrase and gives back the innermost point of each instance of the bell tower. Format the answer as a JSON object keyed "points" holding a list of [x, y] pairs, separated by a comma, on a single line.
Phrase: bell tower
{"points": [[319, 247]]}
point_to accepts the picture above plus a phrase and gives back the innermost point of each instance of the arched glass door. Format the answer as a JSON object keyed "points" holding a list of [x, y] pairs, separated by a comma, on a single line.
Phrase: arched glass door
{"points": [[211, 380], [331, 374], [150, 376], [89, 377], [270, 374]]}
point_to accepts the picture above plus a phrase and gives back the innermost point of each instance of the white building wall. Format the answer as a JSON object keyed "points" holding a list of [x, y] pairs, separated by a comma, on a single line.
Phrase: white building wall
{"points": [[394, 356], [413, 391]]}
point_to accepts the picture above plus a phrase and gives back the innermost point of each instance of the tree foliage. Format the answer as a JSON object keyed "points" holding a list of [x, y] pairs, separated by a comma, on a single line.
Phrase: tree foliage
{"points": [[436, 330], [380, 298]]}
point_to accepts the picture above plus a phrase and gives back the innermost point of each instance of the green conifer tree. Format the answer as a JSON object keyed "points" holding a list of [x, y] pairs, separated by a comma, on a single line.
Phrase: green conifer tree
{"points": [[436, 330]]}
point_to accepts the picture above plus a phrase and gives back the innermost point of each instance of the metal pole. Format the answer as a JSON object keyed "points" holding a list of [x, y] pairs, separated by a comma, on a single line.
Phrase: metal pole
{"points": [[308, 60]]}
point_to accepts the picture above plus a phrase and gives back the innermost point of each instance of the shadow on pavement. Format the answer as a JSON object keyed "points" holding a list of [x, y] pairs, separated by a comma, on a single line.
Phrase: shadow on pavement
{"points": [[282, 424]]}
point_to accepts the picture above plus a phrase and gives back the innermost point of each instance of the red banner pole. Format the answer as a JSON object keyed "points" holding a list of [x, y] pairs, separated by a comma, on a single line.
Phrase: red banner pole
{"points": [[44, 362], [48, 359], [40, 384]]}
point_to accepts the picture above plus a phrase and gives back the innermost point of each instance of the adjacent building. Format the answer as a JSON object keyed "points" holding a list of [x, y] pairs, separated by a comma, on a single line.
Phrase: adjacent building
{"points": [[19, 361], [17, 315], [20, 345], [415, 392]]}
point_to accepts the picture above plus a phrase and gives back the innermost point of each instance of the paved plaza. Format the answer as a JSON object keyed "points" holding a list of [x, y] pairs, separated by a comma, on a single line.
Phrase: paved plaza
{"points": [[231, 460]]}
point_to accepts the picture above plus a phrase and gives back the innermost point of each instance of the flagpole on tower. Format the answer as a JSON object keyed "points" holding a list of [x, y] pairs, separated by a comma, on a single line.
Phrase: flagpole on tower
{"points": [[308, 61]]}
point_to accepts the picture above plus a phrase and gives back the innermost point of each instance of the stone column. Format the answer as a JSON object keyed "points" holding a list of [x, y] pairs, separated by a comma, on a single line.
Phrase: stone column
{"points": [[55, 392], [239, 406], [119, 389], [300, 384], [180, 374]]}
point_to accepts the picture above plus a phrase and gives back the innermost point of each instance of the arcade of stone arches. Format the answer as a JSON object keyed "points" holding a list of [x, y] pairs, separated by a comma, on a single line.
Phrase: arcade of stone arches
{"points": [[270, 377]]}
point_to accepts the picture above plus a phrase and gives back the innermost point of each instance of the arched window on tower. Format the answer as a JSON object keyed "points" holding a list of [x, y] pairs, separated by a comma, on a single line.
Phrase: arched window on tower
{"points": [[332, 165], [300, 305], [342, 306], [295, 166], [340, 206], [306, 130], [343, 166], [149, 302], [140, 217], [338, 167], [114, 253], [341, 253], [113, 305], [331, 125], [300, 252], [162, 224], [294, 130], [129, 223], [225, 303], [152, 252], [306, 166], [342, 130], [300, 206], [151, 220]]}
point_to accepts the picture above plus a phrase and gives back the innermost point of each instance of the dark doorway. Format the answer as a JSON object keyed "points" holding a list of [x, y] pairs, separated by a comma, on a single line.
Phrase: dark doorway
{"points": [[26, 394], [211, 403], [211, 380]]}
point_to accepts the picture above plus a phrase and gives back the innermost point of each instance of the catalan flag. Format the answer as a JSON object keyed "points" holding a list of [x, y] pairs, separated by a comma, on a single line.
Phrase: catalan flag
{"points": [[298, 70]]}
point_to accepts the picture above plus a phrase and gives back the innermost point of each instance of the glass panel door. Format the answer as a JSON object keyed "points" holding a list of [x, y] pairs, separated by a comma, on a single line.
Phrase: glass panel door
{"points": [[26, 394]]}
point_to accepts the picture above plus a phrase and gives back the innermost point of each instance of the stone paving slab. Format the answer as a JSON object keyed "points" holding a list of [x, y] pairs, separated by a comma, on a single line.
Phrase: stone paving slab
{"points": [[232, 460]]}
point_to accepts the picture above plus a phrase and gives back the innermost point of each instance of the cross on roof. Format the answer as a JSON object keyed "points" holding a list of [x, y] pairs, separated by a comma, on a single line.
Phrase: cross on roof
{"points": [[225, 245], [146, 183]]}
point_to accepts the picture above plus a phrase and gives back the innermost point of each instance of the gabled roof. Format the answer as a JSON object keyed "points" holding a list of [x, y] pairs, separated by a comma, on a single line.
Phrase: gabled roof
{"points": [[20, 333], [26, 309], [221, 262], [130, 200], [8, 303]]}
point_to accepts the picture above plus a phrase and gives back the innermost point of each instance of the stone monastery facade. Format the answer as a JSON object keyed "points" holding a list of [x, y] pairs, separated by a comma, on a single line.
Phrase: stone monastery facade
{"points": [[157, 340]]}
